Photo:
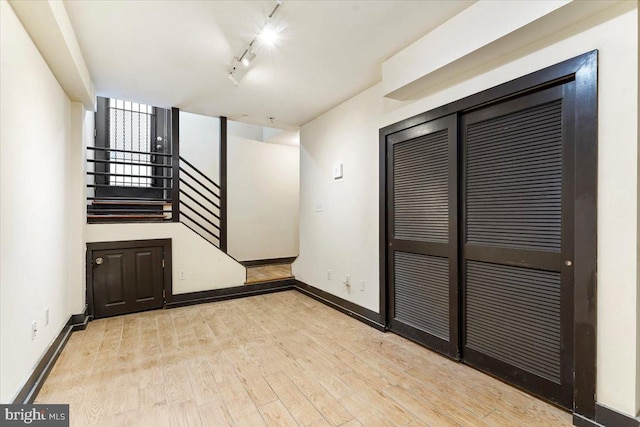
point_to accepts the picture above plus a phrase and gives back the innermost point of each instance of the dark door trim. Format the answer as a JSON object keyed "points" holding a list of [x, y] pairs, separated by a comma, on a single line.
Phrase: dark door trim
{"points": [[223, 183], [175, 164], [583, 70], [128, 244]]}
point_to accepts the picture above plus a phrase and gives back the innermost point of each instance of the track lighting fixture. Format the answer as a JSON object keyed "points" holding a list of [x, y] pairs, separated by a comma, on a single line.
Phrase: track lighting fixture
{"points": [[267, 35], [232, 77], [247, 57]]}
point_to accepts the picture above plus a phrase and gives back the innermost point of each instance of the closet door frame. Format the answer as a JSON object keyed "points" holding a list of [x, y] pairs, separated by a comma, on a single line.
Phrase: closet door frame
{"points": [[582, 70]]}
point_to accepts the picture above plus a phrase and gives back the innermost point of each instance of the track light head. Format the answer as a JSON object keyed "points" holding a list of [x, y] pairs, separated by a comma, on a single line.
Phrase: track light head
{"points": [[233, 78], [247, 57]]}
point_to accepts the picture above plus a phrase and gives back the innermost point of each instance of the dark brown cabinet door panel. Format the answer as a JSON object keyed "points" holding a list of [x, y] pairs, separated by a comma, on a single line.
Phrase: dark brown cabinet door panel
{"points": [[127, 280], [148, 272], [113, 280]]}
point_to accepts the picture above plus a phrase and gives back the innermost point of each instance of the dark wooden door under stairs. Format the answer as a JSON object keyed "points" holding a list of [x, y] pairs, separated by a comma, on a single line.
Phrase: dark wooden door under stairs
{"points": [[127, 280]]}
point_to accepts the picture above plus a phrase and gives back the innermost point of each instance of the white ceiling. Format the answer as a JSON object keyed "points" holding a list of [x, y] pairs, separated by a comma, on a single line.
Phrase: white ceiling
{"points": [[178, 53]]}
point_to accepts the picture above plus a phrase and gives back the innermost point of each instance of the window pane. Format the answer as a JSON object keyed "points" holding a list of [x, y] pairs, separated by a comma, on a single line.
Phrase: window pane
{"points": [[130, 130]]}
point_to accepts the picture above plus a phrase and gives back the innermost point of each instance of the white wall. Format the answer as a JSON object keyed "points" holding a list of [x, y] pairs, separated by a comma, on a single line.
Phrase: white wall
{"points": [[245, 130], [200, 143], [35, 120], [82, 125], [327, 243], [263, 194], [205, 266], [638, 255], [48, 25], [343, 237]]}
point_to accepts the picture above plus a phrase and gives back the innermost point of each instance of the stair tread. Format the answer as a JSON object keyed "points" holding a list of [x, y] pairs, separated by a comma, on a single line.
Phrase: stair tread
{"points": [[131, 202], [112, 216], [268, 273], [271, 279]]}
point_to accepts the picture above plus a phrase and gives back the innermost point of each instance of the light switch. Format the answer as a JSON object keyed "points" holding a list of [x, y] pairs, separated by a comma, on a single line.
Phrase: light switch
{"points": [[338, 171]]}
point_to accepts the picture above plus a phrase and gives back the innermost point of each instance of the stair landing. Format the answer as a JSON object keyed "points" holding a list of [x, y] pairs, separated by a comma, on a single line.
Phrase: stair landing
{"points": [[268, 273]]}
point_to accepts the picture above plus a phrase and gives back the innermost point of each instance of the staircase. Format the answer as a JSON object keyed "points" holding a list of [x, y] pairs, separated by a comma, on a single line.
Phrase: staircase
{"points": [[129, 185], [135, 174], [166, 188]]}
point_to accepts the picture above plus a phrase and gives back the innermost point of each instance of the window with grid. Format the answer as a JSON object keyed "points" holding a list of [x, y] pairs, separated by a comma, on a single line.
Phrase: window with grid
{"points": [[130, 126]]}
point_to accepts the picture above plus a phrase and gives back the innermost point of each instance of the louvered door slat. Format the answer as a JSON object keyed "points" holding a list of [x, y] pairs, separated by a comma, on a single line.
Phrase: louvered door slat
{"points": [[522, 329], [420, 196], [422, 292], [534, 174]]}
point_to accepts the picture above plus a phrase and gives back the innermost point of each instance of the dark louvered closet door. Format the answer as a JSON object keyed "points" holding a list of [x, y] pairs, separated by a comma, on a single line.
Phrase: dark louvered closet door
{"points": [[517, 234], [422, 207]]}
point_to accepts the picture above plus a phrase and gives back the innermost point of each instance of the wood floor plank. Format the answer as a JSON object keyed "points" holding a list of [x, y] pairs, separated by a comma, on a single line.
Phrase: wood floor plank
{"points": [[184, 414], [390, 409], [298, 405], [238, 401], [275, 414], [215, 414], [157, 417], [276, 359], [203, 383], [152, 396], [421, 409], [258, 389], [177, 384]]}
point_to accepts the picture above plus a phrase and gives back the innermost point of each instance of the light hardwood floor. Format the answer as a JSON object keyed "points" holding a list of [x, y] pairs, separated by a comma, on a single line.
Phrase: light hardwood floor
{"points": [[278, 359]]}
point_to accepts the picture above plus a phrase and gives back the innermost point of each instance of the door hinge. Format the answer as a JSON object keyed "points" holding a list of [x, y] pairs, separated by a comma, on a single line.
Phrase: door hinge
{"points": [[95, 133], [163, 263], [164, 294]]}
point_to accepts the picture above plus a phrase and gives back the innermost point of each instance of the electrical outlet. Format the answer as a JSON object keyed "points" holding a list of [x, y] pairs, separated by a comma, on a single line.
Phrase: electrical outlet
{"points": [[361, 285], [328, 274], [182, 274], [34, 329], [46, 316]]}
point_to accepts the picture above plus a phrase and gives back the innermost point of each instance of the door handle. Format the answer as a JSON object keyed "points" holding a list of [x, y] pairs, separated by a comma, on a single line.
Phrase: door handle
{"points": [[99, 260]]}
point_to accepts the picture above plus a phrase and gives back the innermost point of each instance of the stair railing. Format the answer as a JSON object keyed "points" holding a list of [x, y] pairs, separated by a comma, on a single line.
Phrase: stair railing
{"points": [[128, 185], [199, 201]]}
